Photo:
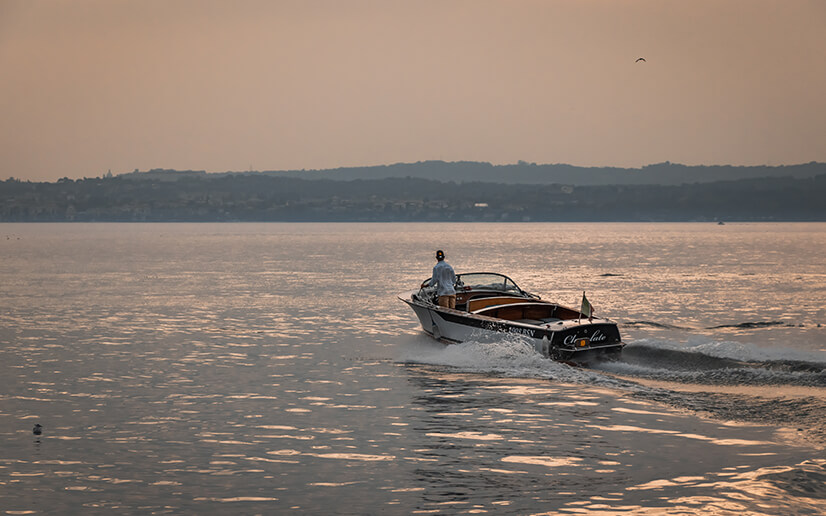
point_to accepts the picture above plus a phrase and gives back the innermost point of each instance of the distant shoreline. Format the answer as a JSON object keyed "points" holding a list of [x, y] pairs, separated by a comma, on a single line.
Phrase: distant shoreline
{"points": [[522, 172], [195, 197]]}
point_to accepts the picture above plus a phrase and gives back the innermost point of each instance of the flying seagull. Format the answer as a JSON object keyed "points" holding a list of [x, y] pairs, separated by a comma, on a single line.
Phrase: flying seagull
{"points": [[640, 59]]}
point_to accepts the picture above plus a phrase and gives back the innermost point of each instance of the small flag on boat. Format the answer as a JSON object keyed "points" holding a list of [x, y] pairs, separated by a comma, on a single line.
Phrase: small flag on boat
{"points": [[586, 309]]}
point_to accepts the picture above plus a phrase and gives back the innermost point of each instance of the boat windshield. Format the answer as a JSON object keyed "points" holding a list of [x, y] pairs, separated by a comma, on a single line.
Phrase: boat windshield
{"points": [[487, 281]]}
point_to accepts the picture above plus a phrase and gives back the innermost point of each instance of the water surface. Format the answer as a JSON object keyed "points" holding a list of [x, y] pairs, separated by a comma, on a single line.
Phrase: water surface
{"points": [[266, 368]]}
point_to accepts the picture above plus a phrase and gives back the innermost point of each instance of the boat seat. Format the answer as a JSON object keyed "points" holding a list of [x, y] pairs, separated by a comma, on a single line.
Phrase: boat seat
{"points": [[483, 302], [535, 322]]}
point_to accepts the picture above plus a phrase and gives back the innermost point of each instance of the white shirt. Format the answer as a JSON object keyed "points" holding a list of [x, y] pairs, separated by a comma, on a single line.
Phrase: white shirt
{"points": [[444, 277]]}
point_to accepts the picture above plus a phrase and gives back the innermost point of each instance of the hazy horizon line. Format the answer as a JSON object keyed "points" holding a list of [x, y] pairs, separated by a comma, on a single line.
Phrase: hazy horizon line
{"points": [[449, 162]]}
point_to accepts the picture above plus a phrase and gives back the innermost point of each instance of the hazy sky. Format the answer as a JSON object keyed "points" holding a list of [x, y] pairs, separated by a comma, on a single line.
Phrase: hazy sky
{"points": [[92, 85]]}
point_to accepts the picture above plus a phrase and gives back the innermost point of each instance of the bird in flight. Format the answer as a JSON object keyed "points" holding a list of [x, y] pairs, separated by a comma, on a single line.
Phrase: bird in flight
{"points": [[640, 59]]}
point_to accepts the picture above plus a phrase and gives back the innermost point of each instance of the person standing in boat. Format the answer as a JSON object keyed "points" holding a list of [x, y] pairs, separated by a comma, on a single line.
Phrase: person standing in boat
{"points": [[444, 278]]}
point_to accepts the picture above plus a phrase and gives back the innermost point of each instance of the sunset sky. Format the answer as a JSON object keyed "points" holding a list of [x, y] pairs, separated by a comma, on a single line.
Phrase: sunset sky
{"points": [[88, 86]]}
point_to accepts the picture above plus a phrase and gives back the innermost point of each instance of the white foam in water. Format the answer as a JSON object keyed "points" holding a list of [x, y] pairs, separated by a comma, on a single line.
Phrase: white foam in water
{"points": [[741, 376], [735, 350], [506, 355]]}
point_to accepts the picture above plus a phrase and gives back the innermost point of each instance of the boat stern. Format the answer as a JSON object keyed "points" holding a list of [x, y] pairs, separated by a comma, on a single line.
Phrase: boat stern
{"points": [[579, 338]]}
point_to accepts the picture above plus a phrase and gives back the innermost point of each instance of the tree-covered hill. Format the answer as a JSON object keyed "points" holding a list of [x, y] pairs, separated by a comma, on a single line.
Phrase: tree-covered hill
{"points": [[530, 173], [192, 196]]}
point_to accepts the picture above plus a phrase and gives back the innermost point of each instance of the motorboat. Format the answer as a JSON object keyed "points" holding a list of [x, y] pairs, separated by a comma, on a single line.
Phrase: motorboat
{"points": [[488, 302]]}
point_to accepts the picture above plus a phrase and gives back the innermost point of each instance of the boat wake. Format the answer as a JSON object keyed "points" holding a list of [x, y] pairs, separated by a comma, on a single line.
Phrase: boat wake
{"points": [[506, 355], [652, 324], [726, 380], [747, 325], [717, 363], [730, 381], [700, 361], [722, 348], [752, 325]]}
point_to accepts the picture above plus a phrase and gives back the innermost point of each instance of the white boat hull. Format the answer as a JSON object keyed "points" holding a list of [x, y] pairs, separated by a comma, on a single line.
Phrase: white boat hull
{"points": [[564, 339]]}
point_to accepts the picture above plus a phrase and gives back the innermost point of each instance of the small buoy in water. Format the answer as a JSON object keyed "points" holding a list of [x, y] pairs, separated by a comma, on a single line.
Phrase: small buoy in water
{"points": [[38, 429]]}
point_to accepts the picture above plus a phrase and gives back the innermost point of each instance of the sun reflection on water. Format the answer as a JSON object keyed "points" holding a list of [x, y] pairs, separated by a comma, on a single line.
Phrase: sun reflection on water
{"points": [[205, 369]]}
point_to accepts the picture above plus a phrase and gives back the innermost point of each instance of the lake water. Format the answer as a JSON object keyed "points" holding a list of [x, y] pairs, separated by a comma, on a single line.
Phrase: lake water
{"points": [[270, 368]]}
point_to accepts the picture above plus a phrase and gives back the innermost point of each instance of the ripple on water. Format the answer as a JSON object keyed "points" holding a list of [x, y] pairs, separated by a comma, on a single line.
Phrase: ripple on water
{"points": [[256, 369]]}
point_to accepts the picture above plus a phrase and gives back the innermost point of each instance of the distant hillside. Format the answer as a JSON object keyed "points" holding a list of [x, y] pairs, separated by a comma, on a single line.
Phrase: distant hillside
{"points": [[196, 196], [531, 173], [523, 173]]}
